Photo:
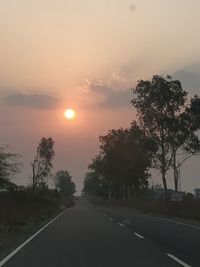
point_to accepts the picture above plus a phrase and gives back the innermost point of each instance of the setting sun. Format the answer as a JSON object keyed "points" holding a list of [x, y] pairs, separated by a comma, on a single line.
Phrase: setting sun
{"points": [[69, 114]]}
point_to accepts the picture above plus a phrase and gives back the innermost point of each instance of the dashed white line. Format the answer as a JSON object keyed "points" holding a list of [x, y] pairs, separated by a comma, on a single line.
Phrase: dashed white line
{"points": [[111, 219], [178, 260], [138, 235], [122, 225], [30, 238]]}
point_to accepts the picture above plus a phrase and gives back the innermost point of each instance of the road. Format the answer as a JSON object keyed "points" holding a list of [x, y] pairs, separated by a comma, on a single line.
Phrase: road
{"points": [[86, 236], [177, 238]]}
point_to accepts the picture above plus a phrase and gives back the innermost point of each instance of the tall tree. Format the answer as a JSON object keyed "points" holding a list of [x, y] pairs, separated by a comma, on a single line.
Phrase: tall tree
{"points": [[42, 163], [183, 140], [157, 102]]}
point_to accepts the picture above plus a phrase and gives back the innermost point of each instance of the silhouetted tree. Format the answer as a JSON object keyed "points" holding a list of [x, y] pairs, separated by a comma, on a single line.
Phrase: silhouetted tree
{"points": [[9, 166], [98, 175], [183, 140], [64, 183], [123, 162], [193, 111], [158, 102], [95, 185], [42, 163]]}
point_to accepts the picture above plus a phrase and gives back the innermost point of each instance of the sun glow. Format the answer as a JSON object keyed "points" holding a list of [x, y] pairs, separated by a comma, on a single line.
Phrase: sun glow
{"points": [[69, 114]]}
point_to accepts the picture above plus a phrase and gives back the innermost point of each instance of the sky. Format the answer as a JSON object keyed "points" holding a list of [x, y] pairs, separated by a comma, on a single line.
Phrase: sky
{"points": [[87, 55]]}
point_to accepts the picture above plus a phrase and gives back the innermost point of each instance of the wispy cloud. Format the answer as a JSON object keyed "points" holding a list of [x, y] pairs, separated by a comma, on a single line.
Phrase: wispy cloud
{"points": [[34, 100], [108, 92], [117, 99]]}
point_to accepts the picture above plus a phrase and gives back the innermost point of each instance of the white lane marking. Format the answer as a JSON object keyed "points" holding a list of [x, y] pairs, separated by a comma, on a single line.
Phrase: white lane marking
{"points": [[121, 224], [104, 215], [183, 224], [2, 262], [178, 260], [138, 235], [111, 219], [171, 221]]}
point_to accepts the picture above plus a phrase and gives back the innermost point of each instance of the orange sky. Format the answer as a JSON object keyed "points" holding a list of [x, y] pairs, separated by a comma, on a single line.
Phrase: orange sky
{"points": [[85, 55]]}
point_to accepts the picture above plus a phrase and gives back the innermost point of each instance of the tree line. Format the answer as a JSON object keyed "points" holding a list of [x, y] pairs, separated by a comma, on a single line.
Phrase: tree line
{"points": [[164, 136], [41, 165]]}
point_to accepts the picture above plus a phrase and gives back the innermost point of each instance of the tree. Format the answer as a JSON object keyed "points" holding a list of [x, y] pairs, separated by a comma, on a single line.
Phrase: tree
{"points": [[183, 140], [191, 146], [9, 166], [193, 111], [158, 102], [95, 185], [123, 162], [64, 183], [42, 163], [98, 176]]}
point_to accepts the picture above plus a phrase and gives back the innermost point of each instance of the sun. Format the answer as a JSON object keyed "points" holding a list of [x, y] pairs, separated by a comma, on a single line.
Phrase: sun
{"points": [[69, 114]]}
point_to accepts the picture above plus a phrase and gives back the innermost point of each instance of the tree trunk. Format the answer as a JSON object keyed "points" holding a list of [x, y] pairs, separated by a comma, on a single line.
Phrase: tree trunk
{"points": [[176, 179], [164, 183], [34, 176], [163, 164], [175, 171]]}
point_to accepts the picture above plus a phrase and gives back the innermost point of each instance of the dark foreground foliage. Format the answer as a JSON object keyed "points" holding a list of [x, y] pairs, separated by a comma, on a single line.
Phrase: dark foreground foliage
{"points": [[24, 212]]}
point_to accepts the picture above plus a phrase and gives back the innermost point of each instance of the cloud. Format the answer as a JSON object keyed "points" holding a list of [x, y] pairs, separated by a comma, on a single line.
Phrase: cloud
{"points": [[106, 94], [117, 99], [190, 80], [34, 100], [112, 98]]}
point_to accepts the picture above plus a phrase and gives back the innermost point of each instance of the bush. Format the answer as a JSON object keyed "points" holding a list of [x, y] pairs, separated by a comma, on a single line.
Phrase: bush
{"points": [[29, 207]]}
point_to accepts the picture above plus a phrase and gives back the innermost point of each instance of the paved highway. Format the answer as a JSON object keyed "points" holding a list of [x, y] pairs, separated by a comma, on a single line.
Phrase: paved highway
{"points": [[86, 236], [176, 238]]}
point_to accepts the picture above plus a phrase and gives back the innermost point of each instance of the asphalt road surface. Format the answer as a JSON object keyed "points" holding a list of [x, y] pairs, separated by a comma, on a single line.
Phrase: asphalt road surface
{"points": [[86, 236]]}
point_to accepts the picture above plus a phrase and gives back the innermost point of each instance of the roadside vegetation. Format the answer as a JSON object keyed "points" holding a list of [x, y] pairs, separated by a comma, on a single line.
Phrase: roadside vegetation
{"points": [[187, 209], [165, 135], [24, 209]]}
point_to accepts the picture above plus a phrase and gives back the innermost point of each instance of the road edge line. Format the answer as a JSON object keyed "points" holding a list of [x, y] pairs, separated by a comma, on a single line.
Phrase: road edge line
{"points": [[183, 224], [157, 217], [178, 260], [17, 249]]}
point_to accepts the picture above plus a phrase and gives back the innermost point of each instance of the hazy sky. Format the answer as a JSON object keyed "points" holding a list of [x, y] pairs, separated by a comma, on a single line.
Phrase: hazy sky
{"points": [[85, 54]]}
